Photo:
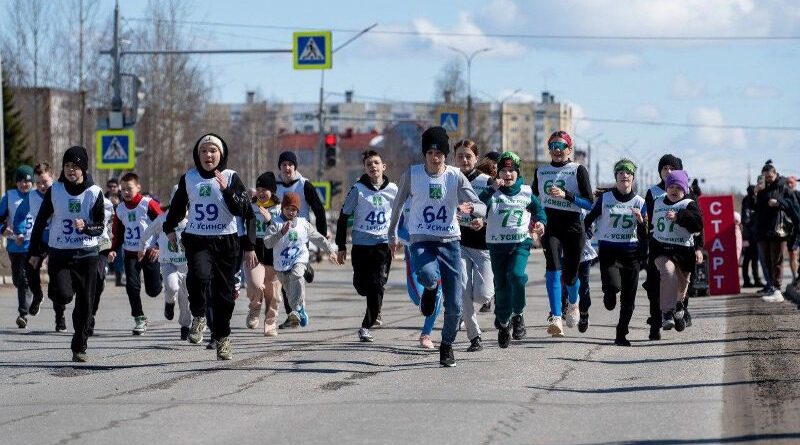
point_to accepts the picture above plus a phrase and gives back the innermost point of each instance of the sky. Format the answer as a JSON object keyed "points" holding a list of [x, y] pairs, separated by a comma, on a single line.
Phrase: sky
{"points": [[749, 83]]}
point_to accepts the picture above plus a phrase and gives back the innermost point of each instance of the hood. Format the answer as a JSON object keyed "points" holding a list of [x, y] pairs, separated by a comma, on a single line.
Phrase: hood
{"points": [[223, 161], [365, 179]]}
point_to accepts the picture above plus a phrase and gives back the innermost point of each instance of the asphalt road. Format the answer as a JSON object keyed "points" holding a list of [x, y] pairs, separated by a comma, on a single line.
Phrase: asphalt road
{"points": [[731, 378]]}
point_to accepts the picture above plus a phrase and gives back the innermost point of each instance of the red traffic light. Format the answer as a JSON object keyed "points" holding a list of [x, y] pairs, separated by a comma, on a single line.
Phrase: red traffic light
{"points": [[330, 140]]}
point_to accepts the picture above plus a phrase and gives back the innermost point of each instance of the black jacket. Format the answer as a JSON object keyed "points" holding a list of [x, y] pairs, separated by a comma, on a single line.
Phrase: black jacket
{"points": [[768, 217]]}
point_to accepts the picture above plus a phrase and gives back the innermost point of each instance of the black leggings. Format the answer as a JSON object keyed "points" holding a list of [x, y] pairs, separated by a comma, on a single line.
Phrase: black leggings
{"points": [[73, 276], [567, 245], [370, 273], [619, 272]]}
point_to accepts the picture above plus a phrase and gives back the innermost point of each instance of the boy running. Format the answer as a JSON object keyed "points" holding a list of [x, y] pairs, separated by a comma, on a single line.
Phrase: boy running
{"points": [[17, 245]]}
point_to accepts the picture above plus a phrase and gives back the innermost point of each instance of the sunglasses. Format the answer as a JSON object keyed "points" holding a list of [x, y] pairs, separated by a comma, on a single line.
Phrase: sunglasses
{"points": [[557, 146]]}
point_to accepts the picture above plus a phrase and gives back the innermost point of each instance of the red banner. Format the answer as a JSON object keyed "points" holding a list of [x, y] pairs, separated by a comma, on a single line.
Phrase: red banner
{"points": [[719, 229]]}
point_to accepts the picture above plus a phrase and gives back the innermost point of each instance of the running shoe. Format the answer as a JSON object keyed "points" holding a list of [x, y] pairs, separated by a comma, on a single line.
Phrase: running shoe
{"points": [[655, 333], [184, 333], [610, 301], [33, 310], [425, 342], [365, 336], [503, 335], [252, 318], [518, 326], [475, 345], [687, 317], [677, 318], [270, 330], [776, 296], [303, 316], [61, 324], [22, 321], [622, 341], [290, 323], [583, 323], [79, 357], [667, 322], [554, 326], [196, 331], [571, 315], [378, 321], [446, 357], [140, 325], [224, 349], [308, 275], [169, 311]]}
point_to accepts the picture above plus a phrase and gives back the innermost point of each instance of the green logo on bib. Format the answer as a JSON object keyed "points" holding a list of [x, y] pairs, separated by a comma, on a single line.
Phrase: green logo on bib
{"points": [[435, 191], [292, 236], [74, 206], [131, 217], [377, 201], [205, 190]]}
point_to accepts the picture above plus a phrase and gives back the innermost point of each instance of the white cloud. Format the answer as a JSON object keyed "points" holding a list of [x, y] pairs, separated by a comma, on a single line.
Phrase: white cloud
{"points": [[624, 61], [647, 112], [578, 113], [502, 13], [713, 136], [499, 47], [519, 96], [760, 92], [684, 88]]}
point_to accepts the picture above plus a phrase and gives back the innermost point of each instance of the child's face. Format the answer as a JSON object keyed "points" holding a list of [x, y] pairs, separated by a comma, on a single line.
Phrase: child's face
{"points": [[24, 186], [465, 159], [508, 175], [289, 212], [210, 156], [129, 189], [434, 159], [675, 192], [560, 155], [287, 169], [43, 182], [262, 194], [72, 172], [374, 168], [624, 180]]}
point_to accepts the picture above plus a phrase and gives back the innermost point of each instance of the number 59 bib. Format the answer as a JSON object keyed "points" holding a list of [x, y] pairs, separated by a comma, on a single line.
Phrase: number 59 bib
{"points": [[208, 213]]}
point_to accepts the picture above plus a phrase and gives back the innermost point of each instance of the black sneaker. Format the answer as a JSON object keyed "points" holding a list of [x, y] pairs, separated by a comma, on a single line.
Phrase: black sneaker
{"points": [[668, 321], [184, 333], [655, 333], [687, 317], [61, 324], [308, 275], [583, 323], [475, 345], [610, 301], [677, 317], [518, 326], [446, 357], [290, 323], [486, 307], [79, 357], [33, 310], [622, 341], [169, 311], [503, 336], [427, 304], [212, 344], [22, 321]]}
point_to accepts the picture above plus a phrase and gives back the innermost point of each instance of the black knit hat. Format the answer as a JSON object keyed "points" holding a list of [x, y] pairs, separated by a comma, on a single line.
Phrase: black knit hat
{"points": [[77, 155], [671, 160], [287, 156], [267, 180], [435, 138]]}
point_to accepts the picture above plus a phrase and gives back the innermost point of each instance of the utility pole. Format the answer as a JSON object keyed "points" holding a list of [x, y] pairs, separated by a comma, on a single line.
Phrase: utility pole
{"points": [[2, 136], [469, 58], [81, 80]]}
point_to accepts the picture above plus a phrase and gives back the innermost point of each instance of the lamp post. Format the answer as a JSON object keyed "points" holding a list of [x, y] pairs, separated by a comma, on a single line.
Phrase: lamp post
{"points": [[468, 58]]}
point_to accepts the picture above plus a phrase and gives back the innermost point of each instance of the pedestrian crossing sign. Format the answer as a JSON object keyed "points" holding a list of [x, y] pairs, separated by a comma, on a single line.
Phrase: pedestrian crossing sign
{"points": [[449, 121], [115, 149], [311, 50]]}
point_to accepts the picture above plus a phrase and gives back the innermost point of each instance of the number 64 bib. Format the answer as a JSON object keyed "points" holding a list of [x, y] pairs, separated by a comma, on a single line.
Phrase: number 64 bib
{"points": [[434, 203]]}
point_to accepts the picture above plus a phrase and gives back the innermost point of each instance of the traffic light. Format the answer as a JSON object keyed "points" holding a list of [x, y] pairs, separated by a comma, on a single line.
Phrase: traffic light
{"points": [[331, 150], [336, 187]]}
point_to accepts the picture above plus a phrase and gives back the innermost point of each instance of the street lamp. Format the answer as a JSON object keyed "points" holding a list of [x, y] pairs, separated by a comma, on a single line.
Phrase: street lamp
{"points": [[468, 58]]}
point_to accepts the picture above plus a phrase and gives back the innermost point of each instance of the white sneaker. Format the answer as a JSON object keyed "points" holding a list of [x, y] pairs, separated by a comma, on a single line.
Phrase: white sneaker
{"points": [[554, 327], [252, 318], [775, 297], [571, 315]]}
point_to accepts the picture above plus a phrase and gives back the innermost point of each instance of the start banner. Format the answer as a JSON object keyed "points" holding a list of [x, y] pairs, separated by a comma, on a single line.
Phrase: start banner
{"points": [[719, 228]]}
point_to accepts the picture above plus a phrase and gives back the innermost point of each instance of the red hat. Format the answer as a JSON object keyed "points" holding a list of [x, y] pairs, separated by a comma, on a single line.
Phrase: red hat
{"points": [[561, 136], [291, 199]]}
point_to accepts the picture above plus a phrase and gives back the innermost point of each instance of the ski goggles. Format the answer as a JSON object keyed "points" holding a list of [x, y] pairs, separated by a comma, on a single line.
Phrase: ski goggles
{"points": [[557, 146]]}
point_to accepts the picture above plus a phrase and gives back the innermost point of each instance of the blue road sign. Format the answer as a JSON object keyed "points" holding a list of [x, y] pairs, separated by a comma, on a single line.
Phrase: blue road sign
{"points": [[312, 50], [449, 121], [115, 149]]}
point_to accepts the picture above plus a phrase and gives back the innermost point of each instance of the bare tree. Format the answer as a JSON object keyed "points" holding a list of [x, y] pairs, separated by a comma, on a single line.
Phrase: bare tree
{"points": [[450, 85]]}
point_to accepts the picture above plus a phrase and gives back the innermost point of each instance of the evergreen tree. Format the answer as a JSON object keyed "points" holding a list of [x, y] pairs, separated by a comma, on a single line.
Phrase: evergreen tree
{"points": [[16, 143]]}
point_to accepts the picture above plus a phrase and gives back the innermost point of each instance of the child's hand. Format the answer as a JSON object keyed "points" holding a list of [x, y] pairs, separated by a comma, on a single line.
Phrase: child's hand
{"points": [[34, 261], [112, 256], [19, 240], [139, 255], [173, 242], [223, 183], [265, 214], [698, 256], [334, 258], [556, 192], [638, 214], [671, 215], [250, 259], [152, 255], [393, 248], [286, 226], [536, 229], [341, 256], [80, 225], [8, 232], [466, 208], [476, 224]]}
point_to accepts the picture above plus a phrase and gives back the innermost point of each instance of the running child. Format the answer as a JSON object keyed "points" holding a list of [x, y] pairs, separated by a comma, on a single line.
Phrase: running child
{"points": [[17, 245], [478, 279], [620, 220], [369, 202], [132, 217], [676, 218], [437, 192], [214, 196], [509, 230], [23, 225], [564, 189], [173, 269], [76, 207], [288, 236], [263, 288]]}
